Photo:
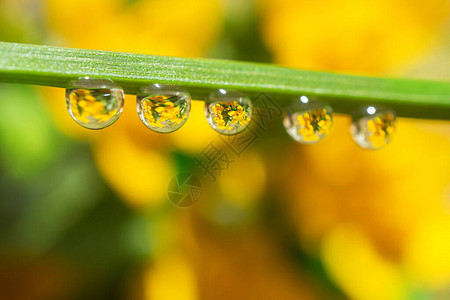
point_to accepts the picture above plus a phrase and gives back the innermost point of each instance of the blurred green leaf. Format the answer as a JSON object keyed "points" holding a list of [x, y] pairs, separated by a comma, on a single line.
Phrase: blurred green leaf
{"points": [[61, 197], [28, 139], [241, 38]]}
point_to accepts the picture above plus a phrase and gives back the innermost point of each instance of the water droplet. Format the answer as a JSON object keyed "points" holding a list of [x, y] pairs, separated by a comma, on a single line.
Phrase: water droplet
{"points": [[94, 103], [162, 108], [308, 121], [228, 112], [373, 127]]}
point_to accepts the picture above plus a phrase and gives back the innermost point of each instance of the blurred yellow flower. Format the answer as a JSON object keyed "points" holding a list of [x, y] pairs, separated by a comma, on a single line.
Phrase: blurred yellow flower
{"points": [[383, 194], [237, 187], [427, 251], [119, 25], [172, 277], [358, 269], [386, 194], [139, 173], [371, 36]]}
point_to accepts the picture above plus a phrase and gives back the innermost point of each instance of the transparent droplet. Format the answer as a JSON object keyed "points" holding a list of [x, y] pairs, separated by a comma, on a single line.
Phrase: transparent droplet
{"points": [[228, 112], [94, 103], [308, 121], [373, 127], [163, 109]]}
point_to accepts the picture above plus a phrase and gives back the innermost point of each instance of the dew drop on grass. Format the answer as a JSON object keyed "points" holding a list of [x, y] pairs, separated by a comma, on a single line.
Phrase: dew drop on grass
{"points": [[94, 103], [228, 112], [308, 121], [163, 109], [373, 127]]}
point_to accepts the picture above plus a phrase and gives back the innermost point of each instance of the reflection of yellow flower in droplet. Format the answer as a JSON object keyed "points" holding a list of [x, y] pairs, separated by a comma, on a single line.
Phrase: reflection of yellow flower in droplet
{"points": [[85, 106], [314, 124], [217, 114], [160, 109], [227, 114], [239, 116], [381, 127]]}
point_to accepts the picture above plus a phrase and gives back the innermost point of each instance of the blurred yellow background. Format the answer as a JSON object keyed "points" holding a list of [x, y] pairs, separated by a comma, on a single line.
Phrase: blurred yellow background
{"points": [[84, 214]]}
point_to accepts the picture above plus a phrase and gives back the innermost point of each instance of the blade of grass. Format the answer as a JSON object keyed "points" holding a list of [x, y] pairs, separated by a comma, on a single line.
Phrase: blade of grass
{"points": [[55, 66]]}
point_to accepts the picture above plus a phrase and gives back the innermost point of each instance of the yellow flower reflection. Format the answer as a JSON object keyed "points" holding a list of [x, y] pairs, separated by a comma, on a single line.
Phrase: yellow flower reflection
{"points": [[314, 124], [226, 115], [160, 109], [87, 107], [382, 127]]}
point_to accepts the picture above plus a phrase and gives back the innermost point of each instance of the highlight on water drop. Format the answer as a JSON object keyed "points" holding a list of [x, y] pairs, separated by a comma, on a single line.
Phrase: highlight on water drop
{"points": [[163, 108], [373, 127], [94, 103], [308, 121], [228, 112]]}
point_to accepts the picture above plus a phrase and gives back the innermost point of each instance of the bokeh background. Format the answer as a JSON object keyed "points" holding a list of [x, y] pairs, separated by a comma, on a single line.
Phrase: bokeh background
{"points": [[84, 214]]}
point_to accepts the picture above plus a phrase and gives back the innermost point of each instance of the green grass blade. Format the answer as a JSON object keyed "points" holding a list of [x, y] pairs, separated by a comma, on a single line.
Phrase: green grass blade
{"points": [[55, 66]]}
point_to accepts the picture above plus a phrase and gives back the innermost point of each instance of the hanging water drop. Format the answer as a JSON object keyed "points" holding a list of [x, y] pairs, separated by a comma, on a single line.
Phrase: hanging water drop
{"points": [[308, 121], [228, 112], [94, 103], [373, 127], [163, 109]]}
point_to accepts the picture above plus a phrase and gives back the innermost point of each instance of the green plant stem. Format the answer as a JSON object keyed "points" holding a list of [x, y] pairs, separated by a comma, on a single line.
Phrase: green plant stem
{"points": [[55, 66]]}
